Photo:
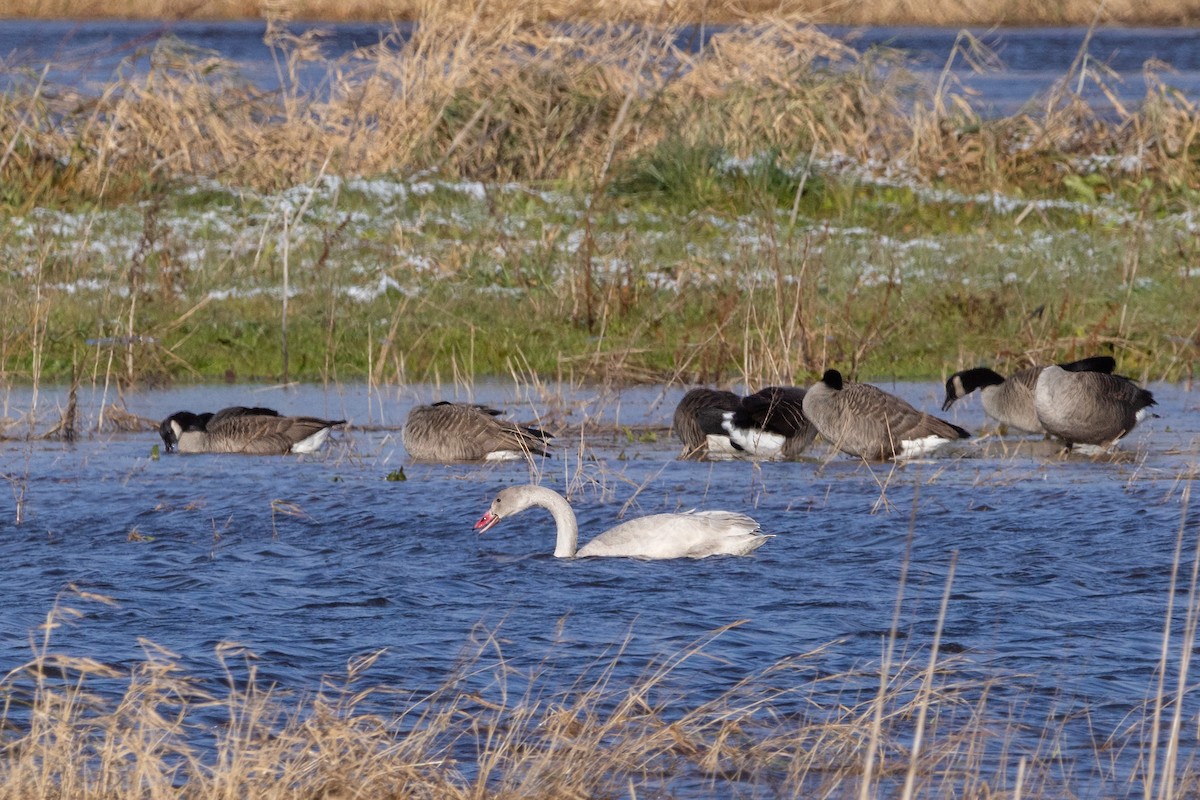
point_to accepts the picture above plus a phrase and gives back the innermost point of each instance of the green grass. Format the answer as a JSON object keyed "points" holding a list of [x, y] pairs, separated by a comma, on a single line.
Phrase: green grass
{"points": [[692, 267]]}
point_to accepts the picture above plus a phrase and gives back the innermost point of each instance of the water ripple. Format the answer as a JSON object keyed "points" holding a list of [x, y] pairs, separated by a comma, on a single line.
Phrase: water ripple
{"points": [[1062, 569]]}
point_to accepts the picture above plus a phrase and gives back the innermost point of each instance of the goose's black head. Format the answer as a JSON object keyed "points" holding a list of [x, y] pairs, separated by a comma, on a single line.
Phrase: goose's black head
{"points": [[961, 384], [178, 423], [833, 379]]}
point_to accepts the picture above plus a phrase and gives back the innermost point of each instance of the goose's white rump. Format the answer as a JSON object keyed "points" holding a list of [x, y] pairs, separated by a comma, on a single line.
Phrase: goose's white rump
{"points": [[693, 534]]}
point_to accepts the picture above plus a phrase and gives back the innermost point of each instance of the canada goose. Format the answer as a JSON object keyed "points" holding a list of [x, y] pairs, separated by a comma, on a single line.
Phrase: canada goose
{"points": [[770, 423], [1089, 408], [863, 420], [237, 429], [1010, 402], [693, 534], [698, 419], [463, 432]]}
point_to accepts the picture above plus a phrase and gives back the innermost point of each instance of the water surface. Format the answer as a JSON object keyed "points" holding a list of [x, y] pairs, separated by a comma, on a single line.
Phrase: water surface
{"points": [[1060, 592], [1031, 60]]}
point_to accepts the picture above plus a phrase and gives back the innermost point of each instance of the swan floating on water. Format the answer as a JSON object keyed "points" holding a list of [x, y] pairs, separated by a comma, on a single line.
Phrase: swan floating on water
{"points": [[692, 534]]}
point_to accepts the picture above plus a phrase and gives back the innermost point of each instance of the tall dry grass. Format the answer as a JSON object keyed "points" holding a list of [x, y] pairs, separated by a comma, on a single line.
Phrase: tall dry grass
{"points": [[485, 95], [917, 725], [883, 12]]}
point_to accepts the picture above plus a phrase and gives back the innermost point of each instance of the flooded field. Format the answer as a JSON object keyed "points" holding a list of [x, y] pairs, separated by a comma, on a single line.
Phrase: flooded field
{"points": [[1059, 570]]}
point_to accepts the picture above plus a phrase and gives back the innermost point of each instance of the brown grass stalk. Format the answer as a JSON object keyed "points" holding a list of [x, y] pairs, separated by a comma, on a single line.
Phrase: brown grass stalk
{"points": [[885, 12], [481, 96]]}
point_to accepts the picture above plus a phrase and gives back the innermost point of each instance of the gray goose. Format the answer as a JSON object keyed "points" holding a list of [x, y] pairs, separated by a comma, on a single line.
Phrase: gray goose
{"points": [[865, 421], [445, 432], [1010, 402], [249, 431], [1089, 408]]}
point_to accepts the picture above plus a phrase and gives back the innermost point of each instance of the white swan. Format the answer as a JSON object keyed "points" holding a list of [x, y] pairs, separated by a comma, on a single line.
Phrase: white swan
{"points": [[693, 534]]}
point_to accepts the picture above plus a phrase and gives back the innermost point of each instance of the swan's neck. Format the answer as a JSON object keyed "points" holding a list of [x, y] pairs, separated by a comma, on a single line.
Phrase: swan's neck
{"points": [[564, 520]]}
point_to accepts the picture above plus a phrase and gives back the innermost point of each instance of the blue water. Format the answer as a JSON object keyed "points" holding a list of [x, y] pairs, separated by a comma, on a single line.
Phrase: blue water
{"points": [[1032, 60], [1060, 589]]}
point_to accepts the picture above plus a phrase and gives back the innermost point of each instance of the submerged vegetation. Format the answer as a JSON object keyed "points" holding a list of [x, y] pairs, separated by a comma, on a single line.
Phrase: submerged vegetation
{"points": [[594, 202]]}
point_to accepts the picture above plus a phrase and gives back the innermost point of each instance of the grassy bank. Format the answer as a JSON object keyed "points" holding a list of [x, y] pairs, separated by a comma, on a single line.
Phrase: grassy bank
{"points": [[592, 203], [885, 12], [403, 281]]}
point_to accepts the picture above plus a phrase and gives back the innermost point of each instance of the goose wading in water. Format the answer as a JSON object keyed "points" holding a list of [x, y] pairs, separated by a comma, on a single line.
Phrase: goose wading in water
{"points": [[698, 421], [1089, 408], [865, 421], [771, 423], [767, 424], [248, 431], [444, 432], [1010, 402], [692, 534]]}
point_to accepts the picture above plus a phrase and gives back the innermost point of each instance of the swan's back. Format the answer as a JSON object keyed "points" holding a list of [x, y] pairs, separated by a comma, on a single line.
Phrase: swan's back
{"points": [[692, 534], [461, 432]]}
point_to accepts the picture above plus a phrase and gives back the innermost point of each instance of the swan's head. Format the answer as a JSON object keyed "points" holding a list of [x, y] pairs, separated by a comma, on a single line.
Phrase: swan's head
{"points": [[511, 501]]}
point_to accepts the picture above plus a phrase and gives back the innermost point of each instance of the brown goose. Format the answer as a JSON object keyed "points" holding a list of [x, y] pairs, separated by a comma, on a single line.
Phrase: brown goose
{"points": [[1089, 408], [863, 420], [1010, 402], [251, 431], [445, 432], [694, 534]]}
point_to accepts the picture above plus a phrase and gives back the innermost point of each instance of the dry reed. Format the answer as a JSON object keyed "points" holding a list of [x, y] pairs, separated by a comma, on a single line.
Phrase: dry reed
{"points": [[885, 12], [486, 96], [76, 727]]}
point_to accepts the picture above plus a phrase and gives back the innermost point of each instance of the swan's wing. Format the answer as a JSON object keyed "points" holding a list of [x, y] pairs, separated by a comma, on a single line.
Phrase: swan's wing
{"points": [[694, 534]]}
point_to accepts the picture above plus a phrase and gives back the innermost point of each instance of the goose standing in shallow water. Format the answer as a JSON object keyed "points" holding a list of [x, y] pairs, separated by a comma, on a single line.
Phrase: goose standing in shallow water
{"points": [[1089, 408], [249, 431], [697, 420], [771, 423], [863, 420], [767, 424], [694, 534], [463, 432], [1010, 402]]}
